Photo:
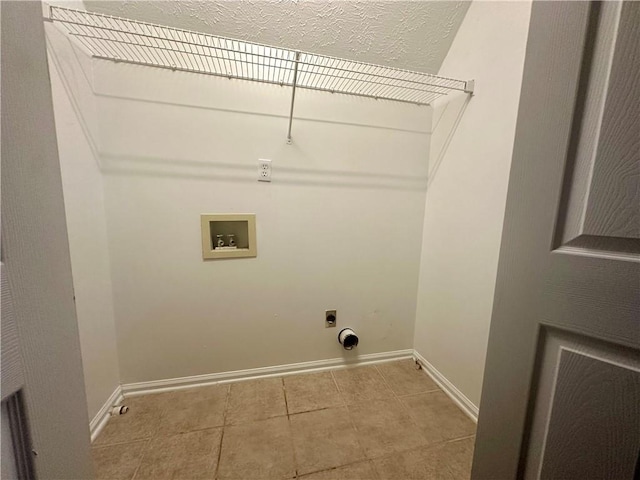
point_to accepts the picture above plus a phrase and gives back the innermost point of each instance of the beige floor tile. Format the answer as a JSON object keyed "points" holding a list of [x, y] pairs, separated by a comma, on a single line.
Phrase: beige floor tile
{"points": [[117, 462], [139, 423], [311, 391], [257, 450], [255, 400], [404, 379], [194, 409], [355, 471], [190, 456], [449, 461], [384, 427], [457, 457], [362, 384], [438, 418], [412, 465], [324, 439]]}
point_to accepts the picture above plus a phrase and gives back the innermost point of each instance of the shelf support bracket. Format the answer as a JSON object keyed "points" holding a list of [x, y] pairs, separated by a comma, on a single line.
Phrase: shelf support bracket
{"points": [[293, 96], [469, 86]]}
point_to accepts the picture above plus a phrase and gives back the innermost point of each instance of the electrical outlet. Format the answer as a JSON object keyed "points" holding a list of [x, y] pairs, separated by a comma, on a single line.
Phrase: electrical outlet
{"points": [[330, 318], [264, 170]]}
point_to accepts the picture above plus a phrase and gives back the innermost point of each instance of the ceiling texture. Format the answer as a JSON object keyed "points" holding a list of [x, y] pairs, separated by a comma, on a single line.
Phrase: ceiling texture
{"points": [[414, 35]]}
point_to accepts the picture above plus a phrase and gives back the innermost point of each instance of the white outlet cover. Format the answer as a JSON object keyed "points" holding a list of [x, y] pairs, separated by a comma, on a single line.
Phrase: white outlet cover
{"points": [[264, 170]]}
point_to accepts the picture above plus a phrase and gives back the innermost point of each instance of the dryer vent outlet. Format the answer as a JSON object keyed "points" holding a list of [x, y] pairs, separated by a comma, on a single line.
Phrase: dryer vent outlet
{"points": [[348, 338]]}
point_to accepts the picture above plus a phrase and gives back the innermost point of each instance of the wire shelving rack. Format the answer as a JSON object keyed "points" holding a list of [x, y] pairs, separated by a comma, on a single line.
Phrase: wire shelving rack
{"points": [[130, 41]]}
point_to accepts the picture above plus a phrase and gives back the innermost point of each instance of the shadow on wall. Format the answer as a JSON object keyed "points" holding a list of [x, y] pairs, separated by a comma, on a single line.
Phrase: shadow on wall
{"points": [[356, 140], [446, 118], [296, 116], [206, 171], [64, 66]]}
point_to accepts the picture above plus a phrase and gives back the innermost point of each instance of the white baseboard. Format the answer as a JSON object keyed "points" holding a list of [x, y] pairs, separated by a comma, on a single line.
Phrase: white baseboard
{"points": [[100, 420], [466, 405], [170, 384]]}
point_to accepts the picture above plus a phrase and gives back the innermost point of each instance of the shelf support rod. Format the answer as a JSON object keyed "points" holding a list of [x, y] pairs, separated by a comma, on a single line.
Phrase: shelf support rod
{"points": [[293, 96]]}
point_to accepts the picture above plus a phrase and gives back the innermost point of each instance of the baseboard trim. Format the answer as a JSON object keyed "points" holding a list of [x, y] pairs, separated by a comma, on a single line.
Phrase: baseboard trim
{"points": [[100, 420], [171, 384], [466, 405]]}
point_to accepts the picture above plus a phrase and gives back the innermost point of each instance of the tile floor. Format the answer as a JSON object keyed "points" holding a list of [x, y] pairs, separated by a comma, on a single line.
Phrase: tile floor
{"points": [[387, 421]]}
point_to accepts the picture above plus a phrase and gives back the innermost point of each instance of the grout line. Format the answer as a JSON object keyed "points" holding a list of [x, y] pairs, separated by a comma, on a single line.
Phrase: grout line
{"points": [[389, 455], [382, 457], [213, 445], [437, 389], [335, 382], [314, 410], [459, 439], [408, 450], [406, 408], [349, 416], [252, 420], [144, 452], [351, 421], [224, 425], [293, 447], [184, 432], [364, 460], [397, 397], [384, 380], [161, 415], [284, 393], [345, 405], [112, 444]]}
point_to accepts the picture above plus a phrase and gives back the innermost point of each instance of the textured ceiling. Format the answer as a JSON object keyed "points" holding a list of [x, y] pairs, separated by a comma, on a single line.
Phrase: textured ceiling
{"points": [[414, 35]]}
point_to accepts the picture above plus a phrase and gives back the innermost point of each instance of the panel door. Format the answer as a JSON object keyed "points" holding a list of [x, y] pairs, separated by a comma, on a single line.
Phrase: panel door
{"points": [[561, 394]]}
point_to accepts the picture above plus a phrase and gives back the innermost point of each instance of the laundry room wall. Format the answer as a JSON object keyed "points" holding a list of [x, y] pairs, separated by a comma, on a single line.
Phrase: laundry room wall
{"points": [[76, 129], [339, 226], [471, 148]]}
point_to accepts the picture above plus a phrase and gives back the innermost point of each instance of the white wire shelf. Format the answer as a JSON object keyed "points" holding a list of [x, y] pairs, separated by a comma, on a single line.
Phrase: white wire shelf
{"points": [[123, 40]]}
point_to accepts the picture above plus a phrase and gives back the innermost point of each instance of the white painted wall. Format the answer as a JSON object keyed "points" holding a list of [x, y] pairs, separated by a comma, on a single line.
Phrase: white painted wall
{"points": [[339, 226], [76, 122], [471, 150]]}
